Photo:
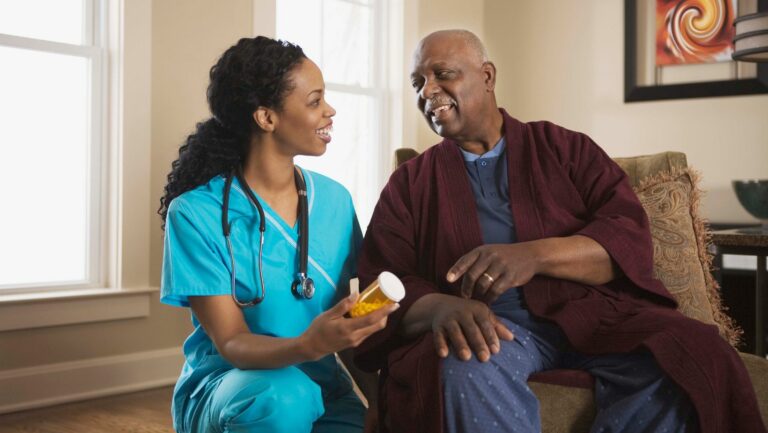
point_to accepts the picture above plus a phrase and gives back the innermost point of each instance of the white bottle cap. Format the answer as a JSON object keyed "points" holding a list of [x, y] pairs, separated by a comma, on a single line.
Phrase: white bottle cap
{"points": [[391, 286]]}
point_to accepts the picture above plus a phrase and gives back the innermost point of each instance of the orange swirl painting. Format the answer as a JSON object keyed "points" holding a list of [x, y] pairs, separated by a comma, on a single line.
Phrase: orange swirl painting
{"points": [[694, 31]]}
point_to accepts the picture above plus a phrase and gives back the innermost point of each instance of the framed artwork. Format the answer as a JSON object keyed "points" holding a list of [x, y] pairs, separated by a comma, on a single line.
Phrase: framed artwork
{"points": [[682, 49]]}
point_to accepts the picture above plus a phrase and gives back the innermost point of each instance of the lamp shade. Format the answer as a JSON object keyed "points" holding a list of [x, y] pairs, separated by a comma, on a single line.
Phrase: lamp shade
{"points": [[751, 40]]}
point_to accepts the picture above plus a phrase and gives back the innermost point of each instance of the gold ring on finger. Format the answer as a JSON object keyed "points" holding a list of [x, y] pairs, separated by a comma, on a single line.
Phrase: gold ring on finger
{"points": [[490, 278]]}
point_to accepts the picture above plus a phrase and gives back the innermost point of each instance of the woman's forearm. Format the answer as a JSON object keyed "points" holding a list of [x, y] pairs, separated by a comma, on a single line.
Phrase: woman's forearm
{"points": [[252, 351], [223, 322]]}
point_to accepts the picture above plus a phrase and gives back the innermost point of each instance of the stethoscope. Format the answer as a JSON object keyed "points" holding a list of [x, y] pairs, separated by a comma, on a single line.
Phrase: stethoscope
{"points": [[303, 287]]}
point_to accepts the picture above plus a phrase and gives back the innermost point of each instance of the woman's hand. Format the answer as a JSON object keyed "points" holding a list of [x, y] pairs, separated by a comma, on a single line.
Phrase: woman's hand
{"points": [[331, 332], [469, 326]]}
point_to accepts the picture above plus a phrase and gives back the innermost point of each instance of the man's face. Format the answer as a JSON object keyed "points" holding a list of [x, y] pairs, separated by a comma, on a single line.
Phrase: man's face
{"points": [[451, 86]]}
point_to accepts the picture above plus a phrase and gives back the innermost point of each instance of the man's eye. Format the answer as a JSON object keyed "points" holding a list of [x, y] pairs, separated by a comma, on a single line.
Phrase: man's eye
{"points": [[442, 74]]}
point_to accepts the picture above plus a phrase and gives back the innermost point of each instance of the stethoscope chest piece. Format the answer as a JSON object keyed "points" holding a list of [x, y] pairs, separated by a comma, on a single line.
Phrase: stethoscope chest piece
{"points": [[303, 288]]}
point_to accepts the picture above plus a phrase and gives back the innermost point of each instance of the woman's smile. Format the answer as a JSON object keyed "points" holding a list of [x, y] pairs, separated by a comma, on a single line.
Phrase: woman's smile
{"points": [[325, 132]]}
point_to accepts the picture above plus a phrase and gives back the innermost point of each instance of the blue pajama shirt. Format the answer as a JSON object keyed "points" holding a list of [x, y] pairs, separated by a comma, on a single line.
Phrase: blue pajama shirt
{"points": [[213, 396], [631, 393]]}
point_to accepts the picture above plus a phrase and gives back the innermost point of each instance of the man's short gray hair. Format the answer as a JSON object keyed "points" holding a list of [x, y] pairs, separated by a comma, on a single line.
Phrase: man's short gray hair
{"points": [[469, 38]]}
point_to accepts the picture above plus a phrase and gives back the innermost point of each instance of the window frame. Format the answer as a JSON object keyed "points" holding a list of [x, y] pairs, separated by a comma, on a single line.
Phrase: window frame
{"points": [[386, 80], [94, 49]]}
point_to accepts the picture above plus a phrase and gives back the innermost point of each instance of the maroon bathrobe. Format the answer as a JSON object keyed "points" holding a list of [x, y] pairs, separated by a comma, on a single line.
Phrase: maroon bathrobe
{"points": [[560, 184]]}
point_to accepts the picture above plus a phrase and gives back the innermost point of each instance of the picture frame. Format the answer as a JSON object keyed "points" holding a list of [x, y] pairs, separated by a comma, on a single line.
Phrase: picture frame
{"points": [[635, 90]]}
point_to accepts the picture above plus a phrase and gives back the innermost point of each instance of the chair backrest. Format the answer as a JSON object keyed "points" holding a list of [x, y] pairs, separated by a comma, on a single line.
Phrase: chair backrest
{"points": [[639, 168], [404, 154]]}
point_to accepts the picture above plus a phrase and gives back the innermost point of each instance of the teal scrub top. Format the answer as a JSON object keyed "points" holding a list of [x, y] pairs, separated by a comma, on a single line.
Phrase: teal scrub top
{"points": [[196, 263]]}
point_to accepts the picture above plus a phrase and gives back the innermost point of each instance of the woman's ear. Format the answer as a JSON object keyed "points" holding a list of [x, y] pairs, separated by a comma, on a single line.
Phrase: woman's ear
{"points": [[266, 118]]}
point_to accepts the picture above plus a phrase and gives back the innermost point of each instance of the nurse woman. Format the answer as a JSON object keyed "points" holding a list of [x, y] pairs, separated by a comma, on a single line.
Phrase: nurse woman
{"points": [[262, 252]]}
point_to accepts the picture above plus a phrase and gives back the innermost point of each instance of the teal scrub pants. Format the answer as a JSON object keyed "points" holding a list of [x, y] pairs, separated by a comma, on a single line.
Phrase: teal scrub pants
{"points": [[285, 400]]}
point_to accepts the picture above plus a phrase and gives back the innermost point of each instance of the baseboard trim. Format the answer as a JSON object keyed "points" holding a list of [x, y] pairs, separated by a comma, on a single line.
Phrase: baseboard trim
{"points": [[52, 384]]}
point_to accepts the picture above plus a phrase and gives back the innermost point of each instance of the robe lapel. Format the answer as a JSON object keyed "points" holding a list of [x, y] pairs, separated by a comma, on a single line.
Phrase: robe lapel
{"points": [[523, 201], [458, 197]]}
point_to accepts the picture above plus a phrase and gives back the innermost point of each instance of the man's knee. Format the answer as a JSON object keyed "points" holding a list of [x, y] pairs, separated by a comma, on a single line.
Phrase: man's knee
{"points": [[510, 366], [283, 400]]}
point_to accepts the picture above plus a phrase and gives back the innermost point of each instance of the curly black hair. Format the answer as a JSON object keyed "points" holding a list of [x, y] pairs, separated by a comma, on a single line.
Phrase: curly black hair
{"points": [[252, 73]]}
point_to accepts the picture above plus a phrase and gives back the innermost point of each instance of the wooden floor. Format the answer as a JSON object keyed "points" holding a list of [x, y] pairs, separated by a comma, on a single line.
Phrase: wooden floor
{"points": [[141, 412]]}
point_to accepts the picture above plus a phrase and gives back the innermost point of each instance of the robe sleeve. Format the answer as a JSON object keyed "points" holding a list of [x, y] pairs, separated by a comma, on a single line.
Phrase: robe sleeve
{"points": [[390, 245], [617, 219]]}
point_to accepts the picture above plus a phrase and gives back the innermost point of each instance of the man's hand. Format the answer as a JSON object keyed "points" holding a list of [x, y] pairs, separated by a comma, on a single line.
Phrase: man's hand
{"points": [[491, 270], [470, 326]]}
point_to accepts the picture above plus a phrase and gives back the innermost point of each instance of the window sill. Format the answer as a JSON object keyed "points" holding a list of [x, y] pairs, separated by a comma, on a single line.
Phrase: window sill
{"points": [[56, 308]]}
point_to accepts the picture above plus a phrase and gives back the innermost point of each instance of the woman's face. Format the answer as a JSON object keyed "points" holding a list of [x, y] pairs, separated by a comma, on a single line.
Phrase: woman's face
{"points": [[303, 125]]}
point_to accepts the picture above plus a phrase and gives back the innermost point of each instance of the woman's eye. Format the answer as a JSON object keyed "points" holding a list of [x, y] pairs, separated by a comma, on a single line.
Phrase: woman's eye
{"points": [[315, 103]]}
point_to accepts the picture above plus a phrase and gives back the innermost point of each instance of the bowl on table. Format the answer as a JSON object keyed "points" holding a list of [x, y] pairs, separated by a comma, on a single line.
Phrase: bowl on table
{"points": [[753, 196]]}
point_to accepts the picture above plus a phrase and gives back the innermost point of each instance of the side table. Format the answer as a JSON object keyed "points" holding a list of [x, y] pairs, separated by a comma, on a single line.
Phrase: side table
{"points": [[753, 242]]}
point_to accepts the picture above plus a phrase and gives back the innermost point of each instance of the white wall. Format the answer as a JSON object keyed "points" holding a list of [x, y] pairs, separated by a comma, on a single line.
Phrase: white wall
{"points": [[188, 38], [564, 62]]}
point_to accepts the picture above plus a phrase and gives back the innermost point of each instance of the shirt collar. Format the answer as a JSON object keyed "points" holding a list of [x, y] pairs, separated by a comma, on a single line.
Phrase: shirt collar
{"points": [[493, 153]]}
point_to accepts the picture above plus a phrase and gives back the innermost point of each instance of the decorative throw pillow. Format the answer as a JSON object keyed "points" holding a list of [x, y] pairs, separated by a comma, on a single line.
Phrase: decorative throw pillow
{"points": [[681, 258]]}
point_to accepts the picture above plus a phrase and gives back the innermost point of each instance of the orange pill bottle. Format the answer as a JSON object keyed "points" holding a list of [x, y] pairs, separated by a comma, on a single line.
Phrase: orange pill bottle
{"points": [[384, 290]]}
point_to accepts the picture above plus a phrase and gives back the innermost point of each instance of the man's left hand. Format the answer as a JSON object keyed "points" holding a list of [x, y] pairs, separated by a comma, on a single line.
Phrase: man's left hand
{"points": [[491, 270]]}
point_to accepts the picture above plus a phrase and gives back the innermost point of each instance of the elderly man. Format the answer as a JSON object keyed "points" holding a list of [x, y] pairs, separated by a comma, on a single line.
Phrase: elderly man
{"points": [[523, 244]]}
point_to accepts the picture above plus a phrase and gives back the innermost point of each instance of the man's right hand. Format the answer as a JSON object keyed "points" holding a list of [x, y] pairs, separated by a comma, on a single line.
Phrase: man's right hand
{"points": [[469, 326]]}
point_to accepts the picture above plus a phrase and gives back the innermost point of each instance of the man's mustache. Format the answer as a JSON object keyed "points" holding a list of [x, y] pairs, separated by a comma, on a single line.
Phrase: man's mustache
{"points": [[437, 102]]}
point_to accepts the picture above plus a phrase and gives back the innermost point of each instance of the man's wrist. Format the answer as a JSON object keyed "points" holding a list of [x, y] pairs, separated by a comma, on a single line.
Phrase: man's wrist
{"points": [[540, 253]]}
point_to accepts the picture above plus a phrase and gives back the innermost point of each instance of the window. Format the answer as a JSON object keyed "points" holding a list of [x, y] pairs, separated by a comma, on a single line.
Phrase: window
{"points": [[355, 44], [51, 144]]}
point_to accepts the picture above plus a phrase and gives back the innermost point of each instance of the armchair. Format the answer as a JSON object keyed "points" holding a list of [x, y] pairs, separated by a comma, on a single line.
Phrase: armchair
{"points": [[668, 190]]}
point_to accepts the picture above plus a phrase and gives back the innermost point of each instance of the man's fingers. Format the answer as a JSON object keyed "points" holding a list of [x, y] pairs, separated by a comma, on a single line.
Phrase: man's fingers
{"points": [[499, 286], [476, 339], [502, 331], [489, 332], [458, 342], [473, 283], [482, 284], [441, 344], [460, 267]]}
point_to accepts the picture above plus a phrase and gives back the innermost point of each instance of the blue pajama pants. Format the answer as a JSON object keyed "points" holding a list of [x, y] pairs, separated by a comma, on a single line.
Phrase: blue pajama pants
{"points": [[631, 393], [285, 400]]}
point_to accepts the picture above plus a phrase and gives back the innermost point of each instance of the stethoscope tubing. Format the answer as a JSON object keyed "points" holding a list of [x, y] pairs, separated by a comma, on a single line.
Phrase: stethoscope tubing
{"points": [[303, 286]]}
